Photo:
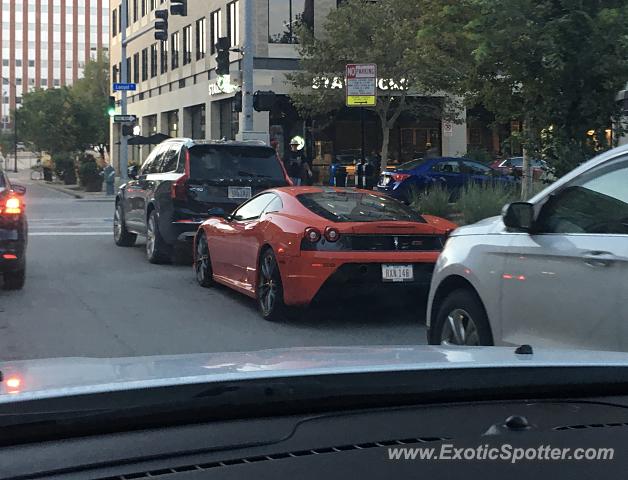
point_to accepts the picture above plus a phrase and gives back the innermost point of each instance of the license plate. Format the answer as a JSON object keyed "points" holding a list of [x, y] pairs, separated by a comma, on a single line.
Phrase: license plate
{"points": [[397, 273], [240, 192]]}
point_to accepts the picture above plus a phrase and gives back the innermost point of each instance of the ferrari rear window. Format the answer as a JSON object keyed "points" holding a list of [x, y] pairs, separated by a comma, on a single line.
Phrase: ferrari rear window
{"points": [[213, 162], [357, 207]]}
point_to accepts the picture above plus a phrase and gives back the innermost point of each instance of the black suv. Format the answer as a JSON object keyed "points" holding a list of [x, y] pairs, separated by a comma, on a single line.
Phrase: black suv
{"points": [[13, 234], [180, 181]]}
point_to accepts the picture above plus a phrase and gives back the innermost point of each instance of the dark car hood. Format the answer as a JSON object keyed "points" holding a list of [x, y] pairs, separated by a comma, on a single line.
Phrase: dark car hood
{"points": [[49, 378]]}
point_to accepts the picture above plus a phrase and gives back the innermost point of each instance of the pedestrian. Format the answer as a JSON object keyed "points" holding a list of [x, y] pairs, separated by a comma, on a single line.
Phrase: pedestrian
{"points": [[295, 161], [109, 174]]}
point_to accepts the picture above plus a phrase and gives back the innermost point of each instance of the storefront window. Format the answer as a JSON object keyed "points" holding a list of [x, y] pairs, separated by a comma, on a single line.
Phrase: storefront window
{"points": [[285, 17]]}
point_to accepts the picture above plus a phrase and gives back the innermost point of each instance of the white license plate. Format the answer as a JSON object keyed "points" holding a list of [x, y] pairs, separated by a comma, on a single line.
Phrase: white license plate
{"points": [[397, 273], [240, 192]]}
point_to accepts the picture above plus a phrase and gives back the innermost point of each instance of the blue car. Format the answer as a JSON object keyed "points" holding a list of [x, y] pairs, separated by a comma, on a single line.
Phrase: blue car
{"points": [[450, 172]]}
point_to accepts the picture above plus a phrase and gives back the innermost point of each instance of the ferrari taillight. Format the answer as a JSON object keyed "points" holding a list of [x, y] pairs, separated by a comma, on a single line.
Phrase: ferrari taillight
{"points": [[332, 234], [312, 235]]}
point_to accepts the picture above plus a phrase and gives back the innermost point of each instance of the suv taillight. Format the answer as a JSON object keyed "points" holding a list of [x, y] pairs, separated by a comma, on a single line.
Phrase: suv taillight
{"points": [[12, 206], [178, 189]]}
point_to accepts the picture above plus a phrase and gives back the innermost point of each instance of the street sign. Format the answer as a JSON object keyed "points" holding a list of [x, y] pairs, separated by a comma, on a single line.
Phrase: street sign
{"points": [[124, 118], [118, 87], [361, 85], [448, 129]]}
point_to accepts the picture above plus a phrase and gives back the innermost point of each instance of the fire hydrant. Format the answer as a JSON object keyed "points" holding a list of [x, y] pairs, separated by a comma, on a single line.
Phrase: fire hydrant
{"points": [[110, 179]]}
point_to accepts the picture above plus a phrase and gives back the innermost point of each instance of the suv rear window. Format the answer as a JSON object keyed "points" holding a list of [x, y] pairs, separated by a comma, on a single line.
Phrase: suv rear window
{"points": [[357, 207], [212, 162]]}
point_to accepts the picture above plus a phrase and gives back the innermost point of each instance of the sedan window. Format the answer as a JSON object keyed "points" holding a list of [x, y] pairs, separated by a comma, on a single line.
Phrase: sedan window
{"points": [[476, 168], [447, 167], [597, 204]]}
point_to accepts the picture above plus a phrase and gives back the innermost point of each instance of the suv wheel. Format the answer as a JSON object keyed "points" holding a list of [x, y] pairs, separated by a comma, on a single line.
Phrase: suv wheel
{"points": [[15, 280], [156, 248], [121, 235], [461, 320]]}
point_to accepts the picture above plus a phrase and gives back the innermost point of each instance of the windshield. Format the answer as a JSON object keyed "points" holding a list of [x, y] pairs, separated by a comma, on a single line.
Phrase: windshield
{"points": [[357, 207], [208, 162], [410, 165]]}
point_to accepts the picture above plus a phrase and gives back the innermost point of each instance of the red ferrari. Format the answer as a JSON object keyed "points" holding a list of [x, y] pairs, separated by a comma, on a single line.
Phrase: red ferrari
{"points": [[287, 245]]}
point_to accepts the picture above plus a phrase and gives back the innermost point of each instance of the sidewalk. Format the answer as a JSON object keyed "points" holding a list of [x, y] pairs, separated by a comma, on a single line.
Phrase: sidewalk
{"points": [[77, 192]]}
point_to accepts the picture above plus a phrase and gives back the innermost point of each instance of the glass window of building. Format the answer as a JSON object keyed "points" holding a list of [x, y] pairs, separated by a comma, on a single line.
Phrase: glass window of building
{"points": [[144, 64], [187, 44], [285, 17], [164, 56], [136, 68], [201, 39], [174, 49], [233, 23], [216, 29], [153, 60]]}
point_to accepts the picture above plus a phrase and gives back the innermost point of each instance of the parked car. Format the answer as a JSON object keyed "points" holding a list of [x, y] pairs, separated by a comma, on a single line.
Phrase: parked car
{"points": [[13, 234], [549, 272], [287, 245], [450, 172], [541, 171], [168, 198]]}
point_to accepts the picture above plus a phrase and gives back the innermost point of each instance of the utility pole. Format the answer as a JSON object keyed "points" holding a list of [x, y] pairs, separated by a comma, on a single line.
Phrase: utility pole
{"points": [[15, 135], [247, 68], [124, 151]]}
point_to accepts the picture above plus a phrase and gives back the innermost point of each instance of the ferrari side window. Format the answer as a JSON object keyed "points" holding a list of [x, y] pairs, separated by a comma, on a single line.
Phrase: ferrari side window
{"points": [[253, 208], [276, 205]]}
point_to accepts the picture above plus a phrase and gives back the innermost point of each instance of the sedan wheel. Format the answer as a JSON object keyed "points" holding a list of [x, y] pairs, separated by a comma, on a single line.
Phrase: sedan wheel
{"points": [[459, 329], [461, 320]]}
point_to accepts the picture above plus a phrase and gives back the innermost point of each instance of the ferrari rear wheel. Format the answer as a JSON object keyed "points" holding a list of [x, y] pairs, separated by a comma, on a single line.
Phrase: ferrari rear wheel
{"points": [[202, 263], [270, 288]]}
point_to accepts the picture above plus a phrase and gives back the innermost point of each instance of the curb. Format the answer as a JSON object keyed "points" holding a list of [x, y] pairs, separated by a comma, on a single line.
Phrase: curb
{"points": [[67, 191]]}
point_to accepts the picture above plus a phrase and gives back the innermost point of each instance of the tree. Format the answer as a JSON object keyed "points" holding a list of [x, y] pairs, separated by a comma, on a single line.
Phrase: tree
{"points": [[90, 96], [389, 33], [555, 64], [47, 119], [69, 119]]}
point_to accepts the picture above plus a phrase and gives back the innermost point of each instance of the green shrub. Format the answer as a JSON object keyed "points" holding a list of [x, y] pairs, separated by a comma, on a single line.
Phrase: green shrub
{"points": [[479, 155], [480, 201], [90, 175], [433, 201], [64, 168]]}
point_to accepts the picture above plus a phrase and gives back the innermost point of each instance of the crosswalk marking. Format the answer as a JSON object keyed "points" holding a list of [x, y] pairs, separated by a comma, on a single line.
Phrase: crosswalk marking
{"points": [[70, 227]]}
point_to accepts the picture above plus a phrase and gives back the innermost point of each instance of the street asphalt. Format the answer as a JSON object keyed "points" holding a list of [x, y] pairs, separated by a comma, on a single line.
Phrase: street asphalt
{"points": [[84, 296]]}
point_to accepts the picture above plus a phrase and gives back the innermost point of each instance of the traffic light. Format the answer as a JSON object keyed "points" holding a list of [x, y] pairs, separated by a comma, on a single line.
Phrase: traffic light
{"points": [[237, 102], [179, 7], [161, 25], [111, 106], [222, 57], [264, 101], [127, 130]]}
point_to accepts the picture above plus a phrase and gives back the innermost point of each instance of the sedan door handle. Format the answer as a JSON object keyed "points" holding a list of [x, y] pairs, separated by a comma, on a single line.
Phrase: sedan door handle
{"points": [[598, 259]]}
